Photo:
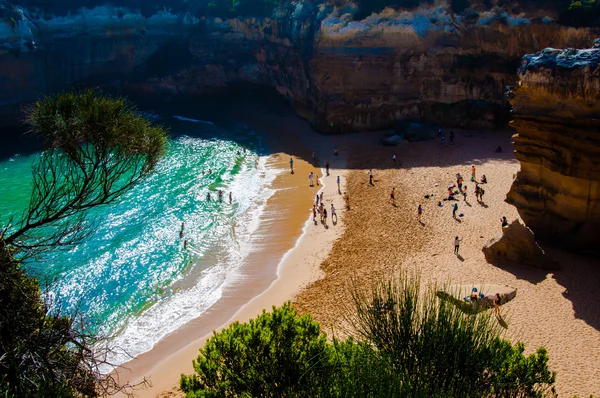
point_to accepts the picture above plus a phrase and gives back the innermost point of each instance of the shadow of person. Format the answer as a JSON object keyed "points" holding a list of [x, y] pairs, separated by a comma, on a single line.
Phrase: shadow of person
{"points": [[501, 321], [422, 223], [461, 258], [457, 220], [482, 204], [468, 204]]}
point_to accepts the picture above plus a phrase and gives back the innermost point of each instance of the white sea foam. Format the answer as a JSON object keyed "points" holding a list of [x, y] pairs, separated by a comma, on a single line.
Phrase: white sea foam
{"points": [[251, 189]]}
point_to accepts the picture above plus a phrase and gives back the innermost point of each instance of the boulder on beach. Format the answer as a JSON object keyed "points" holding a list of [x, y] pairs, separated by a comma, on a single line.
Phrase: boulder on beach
{"points": [[516, 244], [459, 295], [416, 131], [394, 140]]}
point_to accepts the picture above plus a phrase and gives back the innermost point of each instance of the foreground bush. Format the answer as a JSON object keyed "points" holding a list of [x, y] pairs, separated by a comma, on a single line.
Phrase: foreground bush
{"points": [[405, 344]]}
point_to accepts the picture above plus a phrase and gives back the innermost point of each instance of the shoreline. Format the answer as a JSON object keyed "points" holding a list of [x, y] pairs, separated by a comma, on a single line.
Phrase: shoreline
{"points": [[289, 262]]}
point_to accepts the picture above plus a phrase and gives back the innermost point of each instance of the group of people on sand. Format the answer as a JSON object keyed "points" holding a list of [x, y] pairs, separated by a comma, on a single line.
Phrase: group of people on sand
{"points": [[476, 296]]}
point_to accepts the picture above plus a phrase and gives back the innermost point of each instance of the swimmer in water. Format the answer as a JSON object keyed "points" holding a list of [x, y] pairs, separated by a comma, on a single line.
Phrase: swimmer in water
{"points": [[208, 196], [220, 195], [181, 232], [230, 198]]}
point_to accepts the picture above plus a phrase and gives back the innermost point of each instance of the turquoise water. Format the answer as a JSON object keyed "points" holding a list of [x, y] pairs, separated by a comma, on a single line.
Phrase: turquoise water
{"points": [[128, 276]]}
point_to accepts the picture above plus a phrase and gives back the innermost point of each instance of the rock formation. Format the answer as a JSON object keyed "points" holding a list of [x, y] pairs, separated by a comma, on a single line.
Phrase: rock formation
{"points": [[339, 73], [557, 116], [516, 244]]}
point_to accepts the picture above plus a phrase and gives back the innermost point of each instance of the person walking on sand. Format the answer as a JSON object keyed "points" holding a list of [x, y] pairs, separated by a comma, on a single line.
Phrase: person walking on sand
{"points": [[464, 192], [310, 179], [325, 216], [321, 208], [456, 245], [473, 173], [338, 184], [333, 213], [497, 301], [317, 179], [394, 158], [317, 200], [321, 196], [371, 176], [327, 168], [419, 213], [314, 214], [392, 200], [454, 209], [292, 165]]}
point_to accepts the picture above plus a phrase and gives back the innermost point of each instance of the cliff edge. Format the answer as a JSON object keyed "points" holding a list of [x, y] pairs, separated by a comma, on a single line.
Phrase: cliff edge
{"points": [[557, 115]]}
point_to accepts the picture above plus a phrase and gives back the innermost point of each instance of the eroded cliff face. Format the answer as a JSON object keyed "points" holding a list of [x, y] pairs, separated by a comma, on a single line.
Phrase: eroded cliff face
{"points": [[557, 116], [342, 75]]}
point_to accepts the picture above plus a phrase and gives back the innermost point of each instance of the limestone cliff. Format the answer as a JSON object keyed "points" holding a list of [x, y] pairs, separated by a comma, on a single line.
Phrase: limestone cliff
{"points": [[341, 74], [557, 116]]}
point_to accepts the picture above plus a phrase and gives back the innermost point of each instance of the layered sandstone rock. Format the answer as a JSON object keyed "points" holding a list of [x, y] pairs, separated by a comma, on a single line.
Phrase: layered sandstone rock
{"points": [[517, 245], [557, 116], [341, 74]]}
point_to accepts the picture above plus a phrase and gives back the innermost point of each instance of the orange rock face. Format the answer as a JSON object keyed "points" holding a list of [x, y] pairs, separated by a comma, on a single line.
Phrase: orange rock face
{"points": [[557, 116]]}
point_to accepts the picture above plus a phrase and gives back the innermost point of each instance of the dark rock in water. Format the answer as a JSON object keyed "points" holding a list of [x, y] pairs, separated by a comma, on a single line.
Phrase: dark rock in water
{"points": [[516, 244], [557, 115]]}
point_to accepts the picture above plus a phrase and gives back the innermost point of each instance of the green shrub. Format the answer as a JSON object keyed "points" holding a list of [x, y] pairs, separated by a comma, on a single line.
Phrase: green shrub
{"points": [[277, 354], [406, 344]]}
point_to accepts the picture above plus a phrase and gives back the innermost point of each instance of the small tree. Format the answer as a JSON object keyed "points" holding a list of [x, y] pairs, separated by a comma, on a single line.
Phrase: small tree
{"points": [[275, 355], [96, 149]]}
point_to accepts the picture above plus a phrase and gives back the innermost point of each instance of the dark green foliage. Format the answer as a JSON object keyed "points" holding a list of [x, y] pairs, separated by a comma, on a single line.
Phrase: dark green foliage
{"points": [[368, 7], [581, 13], [40, 354], [408, 344], [277, 354], [459, 6]]}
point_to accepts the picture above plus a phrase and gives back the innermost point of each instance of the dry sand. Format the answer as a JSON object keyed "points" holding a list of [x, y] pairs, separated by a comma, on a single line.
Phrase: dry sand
{"points": [[557, 310]]}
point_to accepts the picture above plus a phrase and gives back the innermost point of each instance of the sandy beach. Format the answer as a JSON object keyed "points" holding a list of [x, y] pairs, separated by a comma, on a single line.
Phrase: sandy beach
{"points": [[375, 238], [552, 309]]}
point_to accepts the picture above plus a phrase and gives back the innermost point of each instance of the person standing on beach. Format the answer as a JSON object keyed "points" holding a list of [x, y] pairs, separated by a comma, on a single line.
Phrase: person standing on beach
{"points": [[456, 245], [333, 213], [497, 301], [392, 200], [317, 178], [310, 179], [338, 184], [335, 153], [454, 209], [292, 165], [394, 158], [464, 192], [317, 200], [314, 214], [473, 173], [321, 196], [371, 176], [419, 213], [321, 208], [325, 216], [327, 168]]}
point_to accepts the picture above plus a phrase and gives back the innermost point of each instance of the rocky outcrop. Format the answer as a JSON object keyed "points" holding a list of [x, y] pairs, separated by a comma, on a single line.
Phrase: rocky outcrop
{"points": [[557, 116], [340, 74], [516, 244]]}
